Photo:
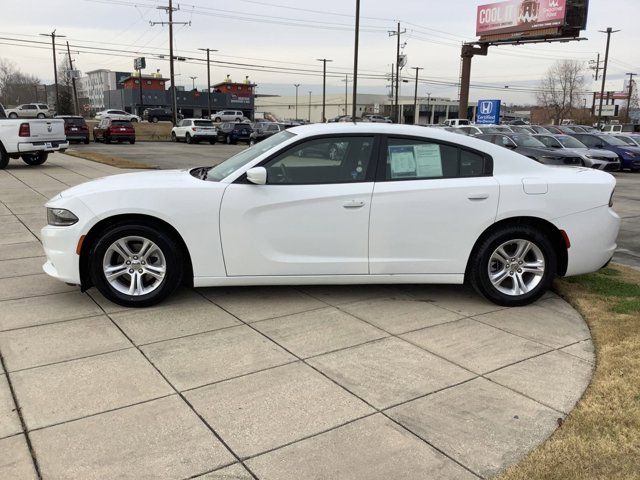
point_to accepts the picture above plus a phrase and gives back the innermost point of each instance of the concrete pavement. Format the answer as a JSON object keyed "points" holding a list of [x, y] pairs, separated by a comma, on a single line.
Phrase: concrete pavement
{"points": [[362, 382]]}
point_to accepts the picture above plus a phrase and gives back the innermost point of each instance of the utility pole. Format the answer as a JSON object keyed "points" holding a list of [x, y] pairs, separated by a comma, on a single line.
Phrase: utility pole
{"points": [[355, 64], [608, 31], [393, 66], [416, 113], [398, 33], [346, 93], [193, 82], [429, 116], [595, 65], [73, 82], [55, 67], [208, 50], [296, 85], [324, 87], [631, 75], [174, 99], [309, 106]]}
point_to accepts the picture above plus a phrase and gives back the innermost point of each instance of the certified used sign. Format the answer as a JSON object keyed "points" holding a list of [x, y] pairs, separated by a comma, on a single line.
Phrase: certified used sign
{"points": [[488, 112]]}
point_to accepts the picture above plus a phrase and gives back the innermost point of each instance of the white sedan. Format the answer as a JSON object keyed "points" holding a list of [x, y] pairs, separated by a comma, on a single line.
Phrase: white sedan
{"points": [[337, 204], [117, 115]]}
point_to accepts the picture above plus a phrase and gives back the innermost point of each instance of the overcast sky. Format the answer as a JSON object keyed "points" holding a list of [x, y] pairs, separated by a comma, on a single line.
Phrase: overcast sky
{"points": [[293, 33]]}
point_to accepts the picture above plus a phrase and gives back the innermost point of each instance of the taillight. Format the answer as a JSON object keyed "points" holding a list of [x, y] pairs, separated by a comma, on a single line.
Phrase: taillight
{"points": [[25, 130]]}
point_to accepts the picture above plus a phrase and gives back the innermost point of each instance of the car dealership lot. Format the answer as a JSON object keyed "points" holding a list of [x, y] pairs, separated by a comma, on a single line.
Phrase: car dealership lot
{"points": [[350, 382]]}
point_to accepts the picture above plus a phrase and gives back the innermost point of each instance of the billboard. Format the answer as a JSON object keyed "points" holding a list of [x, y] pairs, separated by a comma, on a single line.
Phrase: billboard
{"points": [[520, 16], [488, 112]]}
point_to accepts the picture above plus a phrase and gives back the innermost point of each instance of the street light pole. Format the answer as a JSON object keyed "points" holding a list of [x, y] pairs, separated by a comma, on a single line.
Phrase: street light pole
{"points": [[55, 67], [608, 31], [309, 106], [193, 82], [355, 64], [416, 114], [208, 50], [631, 75], [324, 86], [296, 85], [428, 106]]}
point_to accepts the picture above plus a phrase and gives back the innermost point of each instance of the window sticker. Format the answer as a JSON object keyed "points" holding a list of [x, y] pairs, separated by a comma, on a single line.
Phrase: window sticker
{"points": [[428, 160], [403, 162]]}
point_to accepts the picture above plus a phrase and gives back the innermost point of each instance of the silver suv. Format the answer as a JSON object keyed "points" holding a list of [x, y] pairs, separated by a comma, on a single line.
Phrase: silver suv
{"points": [[29, 110], [228, 116]]}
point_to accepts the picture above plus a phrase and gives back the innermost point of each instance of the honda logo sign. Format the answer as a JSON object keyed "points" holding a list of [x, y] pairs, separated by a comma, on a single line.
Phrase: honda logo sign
{"points": [[488, 112]]}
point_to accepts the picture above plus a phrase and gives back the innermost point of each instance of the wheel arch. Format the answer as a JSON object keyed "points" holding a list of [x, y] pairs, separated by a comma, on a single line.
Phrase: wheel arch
{"points": [[102, 225], [557, 239]]}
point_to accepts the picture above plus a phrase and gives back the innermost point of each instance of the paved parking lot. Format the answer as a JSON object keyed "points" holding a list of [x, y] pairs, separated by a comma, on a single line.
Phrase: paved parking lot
{"points": [[373, 382]]}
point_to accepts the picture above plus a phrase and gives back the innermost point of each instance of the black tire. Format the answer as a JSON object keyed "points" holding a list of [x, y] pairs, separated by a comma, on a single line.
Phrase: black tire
{"points": [[86, 141], [132, 141], [212, 142], [4, 158], [106, 139], [170, 249], [252, 142], [134, 120], [40, 115], [13, 115], [187, 138], [35, 158], [154, 119], [173, 137], [217, 120], [228, 140], [478, 273], [238, 120]]}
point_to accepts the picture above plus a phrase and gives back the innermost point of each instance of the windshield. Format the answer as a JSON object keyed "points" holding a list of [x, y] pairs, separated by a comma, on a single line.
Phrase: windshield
{"points": [[526, 141], [550, 141], [229, 166], [570, 142], [489, 130], [627, 140], [610, 140], [203, 123]]}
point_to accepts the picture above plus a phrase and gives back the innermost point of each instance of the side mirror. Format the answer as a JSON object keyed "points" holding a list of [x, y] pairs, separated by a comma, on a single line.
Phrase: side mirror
{"points": [[257, 175]]}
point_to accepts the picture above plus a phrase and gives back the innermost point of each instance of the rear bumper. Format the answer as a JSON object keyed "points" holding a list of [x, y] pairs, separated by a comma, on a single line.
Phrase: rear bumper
{"points": [[52, 146], [591, 247]]}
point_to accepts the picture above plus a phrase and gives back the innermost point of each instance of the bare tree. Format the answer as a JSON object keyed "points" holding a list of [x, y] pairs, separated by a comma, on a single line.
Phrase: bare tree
{"points": [[562, 88], [16, 87]]}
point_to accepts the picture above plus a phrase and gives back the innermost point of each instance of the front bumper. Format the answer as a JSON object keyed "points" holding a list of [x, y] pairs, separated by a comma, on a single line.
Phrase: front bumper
{"points": [[591, 247], [50, 146], [59, 245]]}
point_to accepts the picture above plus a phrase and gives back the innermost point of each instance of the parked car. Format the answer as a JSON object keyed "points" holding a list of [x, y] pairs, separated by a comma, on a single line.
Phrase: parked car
{"points": [[274, 215], [232, 133], [155, 115], [75, 128], [262, 130], [620, 128], [599, 159], [109, 130], [631, 140], [478, 129], [30, 139], [530, 147], [117, 115], [228, 116], [378, 119], [30, 110], [629, 156], [539, 129], [522, 129], [554, 129], [194, 130], [337, 118], [456, 122]]}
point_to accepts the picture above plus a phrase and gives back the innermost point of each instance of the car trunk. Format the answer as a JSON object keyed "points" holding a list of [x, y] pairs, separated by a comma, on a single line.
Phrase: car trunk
{"points": [[45, 130]]}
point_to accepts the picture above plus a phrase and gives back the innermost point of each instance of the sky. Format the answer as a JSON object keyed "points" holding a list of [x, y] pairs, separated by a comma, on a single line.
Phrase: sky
{"points": [[292, 34]]}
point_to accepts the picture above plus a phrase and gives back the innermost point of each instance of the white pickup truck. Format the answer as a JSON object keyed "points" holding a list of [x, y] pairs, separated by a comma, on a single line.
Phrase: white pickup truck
{"points": [[30, 139]]}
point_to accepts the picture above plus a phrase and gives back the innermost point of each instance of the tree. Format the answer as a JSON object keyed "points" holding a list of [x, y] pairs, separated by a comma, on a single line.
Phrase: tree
{"points": [[65, 93], [562, 88], [16, 87]]}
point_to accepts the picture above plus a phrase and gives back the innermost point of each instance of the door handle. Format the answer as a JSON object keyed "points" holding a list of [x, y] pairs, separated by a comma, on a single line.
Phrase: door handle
{"points": [[353, 204], [478, 196]]}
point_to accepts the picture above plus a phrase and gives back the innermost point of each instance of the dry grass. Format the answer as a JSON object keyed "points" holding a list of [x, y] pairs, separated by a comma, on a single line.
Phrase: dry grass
{"points": [[109, 159], [600, 439], [145, 132]]}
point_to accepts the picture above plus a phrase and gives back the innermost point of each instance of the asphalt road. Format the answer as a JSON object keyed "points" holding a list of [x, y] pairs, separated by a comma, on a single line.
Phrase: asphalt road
{"points": [[167, 155]]}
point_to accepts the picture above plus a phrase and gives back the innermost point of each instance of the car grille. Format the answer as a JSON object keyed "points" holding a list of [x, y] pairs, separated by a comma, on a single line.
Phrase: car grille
{"points": [[612, 167], [572, 161]]}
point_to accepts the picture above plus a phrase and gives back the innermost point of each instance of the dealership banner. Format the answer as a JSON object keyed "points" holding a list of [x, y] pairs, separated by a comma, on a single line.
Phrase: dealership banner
{"points": [[515, 16], [488, 112]]}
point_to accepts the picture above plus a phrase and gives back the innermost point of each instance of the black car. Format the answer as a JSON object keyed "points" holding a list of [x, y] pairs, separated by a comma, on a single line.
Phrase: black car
{"points": [[530, 147], [155, 115], [232, 133], [262, 130], [75, 128]]}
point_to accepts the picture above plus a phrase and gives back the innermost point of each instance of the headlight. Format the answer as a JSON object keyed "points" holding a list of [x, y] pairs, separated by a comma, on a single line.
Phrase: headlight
{"points": [[59, 217]]}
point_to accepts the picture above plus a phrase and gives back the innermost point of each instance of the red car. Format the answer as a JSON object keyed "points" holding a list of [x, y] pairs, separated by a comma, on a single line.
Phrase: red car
{"points": [[75, 128], [109, 130]]}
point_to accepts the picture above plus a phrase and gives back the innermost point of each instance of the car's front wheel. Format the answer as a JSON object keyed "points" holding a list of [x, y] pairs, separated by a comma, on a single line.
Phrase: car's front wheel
{"points": [[136, 265], [513, 266]]}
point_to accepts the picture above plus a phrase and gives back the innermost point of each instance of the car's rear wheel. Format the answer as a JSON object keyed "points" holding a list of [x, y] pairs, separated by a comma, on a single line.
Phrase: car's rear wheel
{"points": [[187, 138], [154, 119], [35, 158], [132, 141], [13, 115], [217, 119], [136, 265], [40, 115], [513, 266], [173, 137], [4, 158], [229, 140]]}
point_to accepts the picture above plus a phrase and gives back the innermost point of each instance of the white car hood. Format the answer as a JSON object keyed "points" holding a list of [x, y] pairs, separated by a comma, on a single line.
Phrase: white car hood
{"points": [[160, 179]]}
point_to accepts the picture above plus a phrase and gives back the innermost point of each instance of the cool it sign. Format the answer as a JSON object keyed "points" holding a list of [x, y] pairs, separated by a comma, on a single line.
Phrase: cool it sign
{"points": [[488, 112], [520, 16]]}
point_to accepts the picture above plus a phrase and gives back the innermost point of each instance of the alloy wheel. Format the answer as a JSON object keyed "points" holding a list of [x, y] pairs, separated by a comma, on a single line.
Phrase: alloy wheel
{"points": [[516, 267], [134, 265]]}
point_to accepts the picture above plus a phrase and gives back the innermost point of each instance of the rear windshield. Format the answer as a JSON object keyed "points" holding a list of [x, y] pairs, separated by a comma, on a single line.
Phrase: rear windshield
{"points": [[242, 126], [203, 123], [74, 121], [121, 123], [524, 140]]}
